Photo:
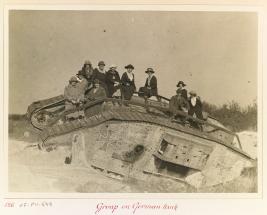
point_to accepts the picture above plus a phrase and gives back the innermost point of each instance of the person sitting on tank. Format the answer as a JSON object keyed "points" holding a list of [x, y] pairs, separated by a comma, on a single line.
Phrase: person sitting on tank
{"points": [[195, 109], [97, 92], [82, 82], [87, 71], [113, 82], [178, 105], [151, 87], [74, 98], [181, 87], [100, 74], [128, 83]]}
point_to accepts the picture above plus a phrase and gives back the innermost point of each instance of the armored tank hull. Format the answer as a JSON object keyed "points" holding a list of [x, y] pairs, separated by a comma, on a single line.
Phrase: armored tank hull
{"points": [[137, 140]]}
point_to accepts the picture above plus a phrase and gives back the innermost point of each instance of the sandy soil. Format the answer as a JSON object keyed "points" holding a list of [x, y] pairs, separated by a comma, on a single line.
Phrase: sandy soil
{"points": [[33, 170]]}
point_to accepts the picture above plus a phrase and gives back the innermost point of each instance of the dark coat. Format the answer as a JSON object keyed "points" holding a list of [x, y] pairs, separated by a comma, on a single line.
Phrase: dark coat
{"points": [[197, 109], [184, 93], [149, 90], [153, 87], [87, 75], [97, 75], [111, 78], [128, 86], [178, 103], [94, 94]]}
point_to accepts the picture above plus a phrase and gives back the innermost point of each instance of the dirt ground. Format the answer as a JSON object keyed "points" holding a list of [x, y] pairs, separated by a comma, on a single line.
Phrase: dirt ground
{"points": [[34, 170]]}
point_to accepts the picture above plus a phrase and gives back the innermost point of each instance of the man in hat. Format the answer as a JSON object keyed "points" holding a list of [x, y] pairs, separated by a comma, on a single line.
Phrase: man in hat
{"points": [[151, 87], [181, 88], [113, 82], [128, 83], [195, 108], [178, 104], [100, 74], [74, 98]]}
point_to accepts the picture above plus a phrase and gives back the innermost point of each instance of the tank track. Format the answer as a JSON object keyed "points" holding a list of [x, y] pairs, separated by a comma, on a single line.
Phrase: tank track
{"points": [[43, 103], [126, 115], [37, 106]]}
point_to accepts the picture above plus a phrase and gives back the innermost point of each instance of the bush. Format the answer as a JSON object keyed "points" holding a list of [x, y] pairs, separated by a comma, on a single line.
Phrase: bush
{"points": [[233, 116]]}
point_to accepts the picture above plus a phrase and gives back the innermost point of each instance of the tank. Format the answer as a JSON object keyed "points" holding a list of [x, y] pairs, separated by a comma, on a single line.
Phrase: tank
{"points": [[137, 140]]}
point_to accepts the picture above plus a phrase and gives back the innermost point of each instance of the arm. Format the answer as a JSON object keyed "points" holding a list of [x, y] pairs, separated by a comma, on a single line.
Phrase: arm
{"points": [[199, 101], [124, 79], [109, 79], [118, 79], [146, 84], [94, 75], [134, 83], [153, 83], [184, 93]]}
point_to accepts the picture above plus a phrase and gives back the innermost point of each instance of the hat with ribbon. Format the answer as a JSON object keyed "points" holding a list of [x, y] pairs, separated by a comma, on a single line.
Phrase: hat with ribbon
{"points": [[149, 70]]}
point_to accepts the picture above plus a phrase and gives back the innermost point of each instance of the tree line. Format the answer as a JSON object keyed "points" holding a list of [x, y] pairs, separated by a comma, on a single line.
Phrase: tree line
{"points": [[233, 116]]}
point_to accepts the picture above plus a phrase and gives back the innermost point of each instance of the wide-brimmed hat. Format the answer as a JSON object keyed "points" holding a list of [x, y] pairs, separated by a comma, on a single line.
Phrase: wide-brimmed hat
{"points": [[149, 70], [87, 62], [129, 66], [193, 93], [101, 63], [113, 66], [73, 79], [180, 82]]}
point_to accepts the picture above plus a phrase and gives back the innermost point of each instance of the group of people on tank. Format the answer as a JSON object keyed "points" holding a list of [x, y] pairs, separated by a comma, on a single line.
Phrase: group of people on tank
{"points": [[93, 83], [108, 83], [182, 103]]}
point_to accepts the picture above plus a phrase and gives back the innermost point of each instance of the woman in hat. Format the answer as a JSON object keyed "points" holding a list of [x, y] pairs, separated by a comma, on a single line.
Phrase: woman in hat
{"points": [[151, 87], [127, 81], [100, 74], [181, 88], [112, 81], [178, 103], [74, 97]]}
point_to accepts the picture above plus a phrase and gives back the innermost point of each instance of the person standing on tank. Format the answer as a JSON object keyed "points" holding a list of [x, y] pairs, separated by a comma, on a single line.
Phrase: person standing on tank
{"points": [[100, 74], [113, 81], [128, 83]]}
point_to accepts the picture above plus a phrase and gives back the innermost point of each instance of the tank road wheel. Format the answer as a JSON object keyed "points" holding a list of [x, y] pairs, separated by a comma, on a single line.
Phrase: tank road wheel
{"points": [[41, 119]]}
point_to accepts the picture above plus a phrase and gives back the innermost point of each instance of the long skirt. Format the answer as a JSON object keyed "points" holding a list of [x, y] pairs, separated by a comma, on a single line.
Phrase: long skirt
{"points": [[127, 92]]}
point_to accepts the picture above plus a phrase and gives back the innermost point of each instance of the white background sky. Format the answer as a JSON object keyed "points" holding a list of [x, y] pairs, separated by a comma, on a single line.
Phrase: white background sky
{"points": [[215, 53]]}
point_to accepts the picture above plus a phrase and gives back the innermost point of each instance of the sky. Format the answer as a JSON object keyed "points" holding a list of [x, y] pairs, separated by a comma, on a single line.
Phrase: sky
{"points": [[214, 53]]}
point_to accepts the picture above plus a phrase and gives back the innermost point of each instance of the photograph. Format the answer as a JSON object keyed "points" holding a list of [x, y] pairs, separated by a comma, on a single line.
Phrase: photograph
{"points": [[133, 101]]}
